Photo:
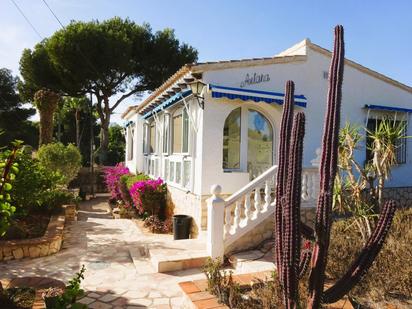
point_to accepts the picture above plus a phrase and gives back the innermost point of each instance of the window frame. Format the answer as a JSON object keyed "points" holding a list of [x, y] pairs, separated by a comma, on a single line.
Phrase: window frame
{"points": [[166, 134], [145, 138]]}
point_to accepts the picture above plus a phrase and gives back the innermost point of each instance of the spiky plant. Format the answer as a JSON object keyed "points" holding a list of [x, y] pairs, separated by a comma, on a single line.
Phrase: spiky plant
{"points": [[289, 231]]}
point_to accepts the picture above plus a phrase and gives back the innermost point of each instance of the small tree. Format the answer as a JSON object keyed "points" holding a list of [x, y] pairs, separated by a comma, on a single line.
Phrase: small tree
{"points": [[384, 143], [115, 57], [65, 160], [353, 179], [8, 171]]}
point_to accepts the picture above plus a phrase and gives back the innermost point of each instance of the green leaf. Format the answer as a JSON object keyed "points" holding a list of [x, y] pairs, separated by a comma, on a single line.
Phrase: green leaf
{"points": [[7, 186]]}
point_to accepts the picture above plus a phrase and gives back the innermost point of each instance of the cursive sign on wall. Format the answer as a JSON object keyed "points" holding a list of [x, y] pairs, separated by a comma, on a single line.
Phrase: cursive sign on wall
{"points": [[255, 78]]}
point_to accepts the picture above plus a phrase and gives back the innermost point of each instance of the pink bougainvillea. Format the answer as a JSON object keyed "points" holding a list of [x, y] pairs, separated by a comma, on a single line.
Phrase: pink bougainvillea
{"points": [[145, 192], [112, 179]]}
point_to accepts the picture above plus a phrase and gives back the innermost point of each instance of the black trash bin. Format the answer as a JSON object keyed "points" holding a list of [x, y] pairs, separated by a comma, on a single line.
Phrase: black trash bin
{"points": [[181, 226]]}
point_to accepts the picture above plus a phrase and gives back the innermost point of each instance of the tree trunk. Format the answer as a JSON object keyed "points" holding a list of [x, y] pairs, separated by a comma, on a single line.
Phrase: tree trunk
{"points": [[77, 115], [46, 127]]}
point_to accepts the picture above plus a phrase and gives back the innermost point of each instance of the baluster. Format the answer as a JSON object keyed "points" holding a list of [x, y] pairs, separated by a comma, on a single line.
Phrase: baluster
{"points": [[247, 207], [228, 219], [237, 216], [309, 189], [304, 186], [258, 199], [267, 195], [315, 185]]}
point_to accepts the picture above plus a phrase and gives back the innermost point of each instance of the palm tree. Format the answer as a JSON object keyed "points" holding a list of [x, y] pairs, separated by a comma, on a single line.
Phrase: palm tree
{"points": [[46, 102], [76, 104]]}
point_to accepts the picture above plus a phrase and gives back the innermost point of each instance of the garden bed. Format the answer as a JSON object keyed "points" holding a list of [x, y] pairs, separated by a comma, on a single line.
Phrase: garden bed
{"points": [[47, 244], [30, 226]]}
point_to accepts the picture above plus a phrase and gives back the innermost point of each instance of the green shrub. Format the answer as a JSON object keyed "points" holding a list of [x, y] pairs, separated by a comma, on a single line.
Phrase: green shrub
{"points": [[33, 184], [65, 160], [54, 199], [36, 188], [129, 180]]}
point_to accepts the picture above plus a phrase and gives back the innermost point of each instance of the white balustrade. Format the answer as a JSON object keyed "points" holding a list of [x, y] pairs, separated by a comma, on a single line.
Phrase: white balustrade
{"points": [[234, 216]]}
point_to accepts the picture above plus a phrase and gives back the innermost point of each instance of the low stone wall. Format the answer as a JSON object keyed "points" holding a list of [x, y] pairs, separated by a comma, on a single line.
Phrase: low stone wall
{"points": [[402, 195], [48, 244]]}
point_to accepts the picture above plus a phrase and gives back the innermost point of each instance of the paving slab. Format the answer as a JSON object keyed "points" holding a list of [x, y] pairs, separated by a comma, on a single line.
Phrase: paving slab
{"points": [[118, 273]]}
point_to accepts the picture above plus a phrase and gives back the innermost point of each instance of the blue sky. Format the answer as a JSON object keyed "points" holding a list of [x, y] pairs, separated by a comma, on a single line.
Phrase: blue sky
{"points": [[377, 33]]}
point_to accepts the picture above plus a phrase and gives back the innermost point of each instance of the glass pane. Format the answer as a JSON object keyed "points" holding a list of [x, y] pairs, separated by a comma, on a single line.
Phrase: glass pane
{"points": [[178, 172], [145, 130], [186, 173], [231, 140], [172, 171], [260, 141], [152, 138], [185, 131], [177, 134], [166, 169], [166, 133]]}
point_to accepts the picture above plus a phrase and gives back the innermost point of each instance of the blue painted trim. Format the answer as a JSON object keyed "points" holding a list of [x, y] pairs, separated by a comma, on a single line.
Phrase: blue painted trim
{"points": [[300, 96], [388, 108], [129, 123], [218, 94], [169, 102]]}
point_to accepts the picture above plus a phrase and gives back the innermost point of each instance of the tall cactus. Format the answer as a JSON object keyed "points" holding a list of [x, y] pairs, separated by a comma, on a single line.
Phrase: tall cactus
{"points": [[289, 231]]}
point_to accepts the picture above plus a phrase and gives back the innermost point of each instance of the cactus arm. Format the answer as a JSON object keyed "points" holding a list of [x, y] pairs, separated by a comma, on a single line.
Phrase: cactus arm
{"points": [[304, 263], [284, 139], [327, 171], [366, 257], [291, 219]]}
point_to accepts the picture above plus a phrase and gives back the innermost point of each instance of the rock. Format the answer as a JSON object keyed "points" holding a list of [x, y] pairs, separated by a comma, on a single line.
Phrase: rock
{"points": [[18, 253], [34, 251], [26, 251], [7, 252], [44, 250]]}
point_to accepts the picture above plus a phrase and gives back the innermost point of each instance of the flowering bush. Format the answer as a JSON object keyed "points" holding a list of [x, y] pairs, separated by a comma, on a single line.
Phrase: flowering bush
{"points": [[158, 226], [149, 196], [112, 179]]}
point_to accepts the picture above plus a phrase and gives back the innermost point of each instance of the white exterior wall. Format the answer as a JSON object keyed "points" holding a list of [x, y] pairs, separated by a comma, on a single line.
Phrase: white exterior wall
{"points": [[359, 89], [206, 145]]}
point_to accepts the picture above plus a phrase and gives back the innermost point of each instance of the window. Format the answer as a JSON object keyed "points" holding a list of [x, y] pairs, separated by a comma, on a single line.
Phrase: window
{"points": [[377, 125], [180, 143], [231, 140], [152, 136], [166, 133]]}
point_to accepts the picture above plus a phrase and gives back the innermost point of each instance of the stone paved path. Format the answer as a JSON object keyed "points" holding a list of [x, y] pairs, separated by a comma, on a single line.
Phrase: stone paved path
{"points": [[112, 280]]}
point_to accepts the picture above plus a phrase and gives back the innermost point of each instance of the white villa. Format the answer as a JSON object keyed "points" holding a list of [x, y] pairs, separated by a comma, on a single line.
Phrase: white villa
{"points": [[228, 134]]}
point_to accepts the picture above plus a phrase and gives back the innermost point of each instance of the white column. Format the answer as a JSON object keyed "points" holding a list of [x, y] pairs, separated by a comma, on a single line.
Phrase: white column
{"points": [[215, 223]]}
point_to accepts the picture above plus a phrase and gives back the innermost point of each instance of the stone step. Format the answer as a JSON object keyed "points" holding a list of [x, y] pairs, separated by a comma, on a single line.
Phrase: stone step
{"points": [[252, 261], [178, 255], [141, 260]]}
